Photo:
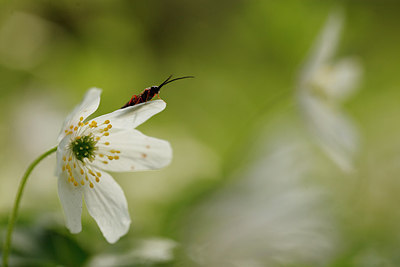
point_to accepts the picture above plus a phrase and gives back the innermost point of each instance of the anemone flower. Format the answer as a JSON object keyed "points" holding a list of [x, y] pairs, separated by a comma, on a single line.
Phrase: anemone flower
{"points": [[268, 215], [89, 148], [323, 85]]}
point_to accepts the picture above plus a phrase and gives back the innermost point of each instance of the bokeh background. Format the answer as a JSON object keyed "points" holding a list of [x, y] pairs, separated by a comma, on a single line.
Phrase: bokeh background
{"points": [[252, 183]]}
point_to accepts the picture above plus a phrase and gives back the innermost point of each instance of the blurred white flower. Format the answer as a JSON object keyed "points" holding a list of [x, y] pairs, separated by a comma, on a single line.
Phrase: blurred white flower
{"points": [[146, 252], [267, 217], [322, 87], [106, 143]]}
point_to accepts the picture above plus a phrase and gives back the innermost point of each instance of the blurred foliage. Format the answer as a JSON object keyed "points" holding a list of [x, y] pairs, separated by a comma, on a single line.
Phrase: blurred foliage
{"points": [[246, 57]]}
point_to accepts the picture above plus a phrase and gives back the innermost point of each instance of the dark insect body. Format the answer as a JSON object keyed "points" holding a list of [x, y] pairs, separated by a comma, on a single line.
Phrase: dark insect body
{"points": [[150, 92]]}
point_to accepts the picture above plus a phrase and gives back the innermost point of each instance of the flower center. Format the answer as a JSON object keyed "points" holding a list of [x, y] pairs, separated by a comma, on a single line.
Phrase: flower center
{"points": [[84, 147]]}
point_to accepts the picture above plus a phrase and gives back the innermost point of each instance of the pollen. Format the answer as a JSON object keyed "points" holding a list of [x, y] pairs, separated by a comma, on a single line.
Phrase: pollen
{"points": [[97, 179], [116, 157], [110, 157], [91, 185], [81, 118], [107, 122], [106, 134], [107, 143]]}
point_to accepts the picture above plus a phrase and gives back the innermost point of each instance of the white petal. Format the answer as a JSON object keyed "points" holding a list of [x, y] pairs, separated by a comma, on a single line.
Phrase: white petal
{"points": [[71, 201], [107, 204], [131, 117], [334, 132], [345, 75], [138, 152], [61, 150], [89, 104], [324, 47]]}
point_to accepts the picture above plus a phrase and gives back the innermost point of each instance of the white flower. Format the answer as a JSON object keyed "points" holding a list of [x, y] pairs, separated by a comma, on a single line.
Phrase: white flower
{"points": [[322, 87], [106, 143], [267, 216], [147, 252]]}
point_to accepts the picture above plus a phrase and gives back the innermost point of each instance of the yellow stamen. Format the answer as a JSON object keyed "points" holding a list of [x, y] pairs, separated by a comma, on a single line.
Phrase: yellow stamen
{"points": [[91, 185], [107, 143], [97, 179], [107, 122]]}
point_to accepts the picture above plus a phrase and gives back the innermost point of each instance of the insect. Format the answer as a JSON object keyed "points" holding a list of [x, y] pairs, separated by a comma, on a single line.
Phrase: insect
{"points": [[150, 92]]}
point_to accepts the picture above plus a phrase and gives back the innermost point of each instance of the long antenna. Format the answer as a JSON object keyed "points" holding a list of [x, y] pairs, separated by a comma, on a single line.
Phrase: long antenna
{"points": [[167, 81]]}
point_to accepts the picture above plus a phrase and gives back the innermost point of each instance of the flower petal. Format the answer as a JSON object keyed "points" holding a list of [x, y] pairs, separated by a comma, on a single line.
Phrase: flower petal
{"points": [[138, 152], [107, 204], [334, 131], [131, 117], [324, 47], [71, 201], [89, 104]]}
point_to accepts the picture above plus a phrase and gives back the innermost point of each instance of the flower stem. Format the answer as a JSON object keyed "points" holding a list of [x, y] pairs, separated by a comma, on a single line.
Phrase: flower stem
{"points": [[13, 217]]}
